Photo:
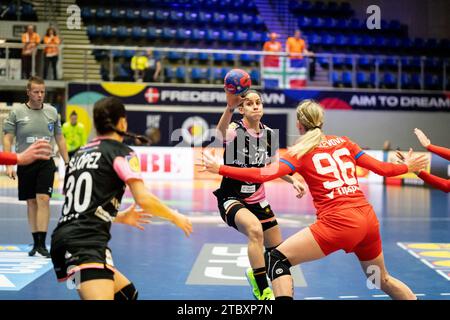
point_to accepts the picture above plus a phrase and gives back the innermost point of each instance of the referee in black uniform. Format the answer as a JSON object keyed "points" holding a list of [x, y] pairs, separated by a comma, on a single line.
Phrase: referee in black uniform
{"points": [[28, 123]]}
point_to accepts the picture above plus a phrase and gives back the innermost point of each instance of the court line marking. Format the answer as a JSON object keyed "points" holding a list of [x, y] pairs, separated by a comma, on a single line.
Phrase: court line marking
{"points": [[380, 296], [348, 297], [414, 254], [313, 298]]}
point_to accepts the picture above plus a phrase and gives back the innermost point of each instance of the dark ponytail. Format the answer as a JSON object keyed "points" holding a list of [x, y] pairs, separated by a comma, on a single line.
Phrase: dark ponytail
{"points": [[107, 113]]}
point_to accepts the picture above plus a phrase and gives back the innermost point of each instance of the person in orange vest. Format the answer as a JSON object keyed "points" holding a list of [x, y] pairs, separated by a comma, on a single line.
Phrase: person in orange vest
{"points": [[30, 40], [272, 45], [296, 47], [51, 51]]}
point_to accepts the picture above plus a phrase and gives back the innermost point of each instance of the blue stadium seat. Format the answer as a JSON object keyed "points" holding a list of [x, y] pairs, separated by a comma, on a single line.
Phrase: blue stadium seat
{"points": [[168, 33], [338, 62], [137, 33], [355, 24], [198, 34], [132, 15], [246, 20], [129, 53], [175, 56], [342, 24], [226, 35], [405, 80], [304, 22], [432, 82], [212, 35], [205, 17], [354, 41], [92, 31], [100, 13], [117, 14], [230, 57], [219, 18], [162, 16], [153, 33], [232, 19], [255, 37], [364, 62], [341, 40], [373, 80], [107, 32], [183, 34], [203, 56], [335, 79], [217, 74], [170, 73], [255, 76], [147, 15], [122, 32], [181, 73], [347, 80], [198, 74], [362, 79], [218, 57], [240, 36], [86, 13], [176, 16], [415, 81], [389, 80]]}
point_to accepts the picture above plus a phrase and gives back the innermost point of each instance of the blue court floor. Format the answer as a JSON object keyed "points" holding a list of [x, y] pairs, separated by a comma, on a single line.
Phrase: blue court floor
{"points": [[210, 265]]}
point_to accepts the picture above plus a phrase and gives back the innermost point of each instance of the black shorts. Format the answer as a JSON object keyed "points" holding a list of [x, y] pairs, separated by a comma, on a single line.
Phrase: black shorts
{"points": [[36, 178], [261, 210], [68, 260]]}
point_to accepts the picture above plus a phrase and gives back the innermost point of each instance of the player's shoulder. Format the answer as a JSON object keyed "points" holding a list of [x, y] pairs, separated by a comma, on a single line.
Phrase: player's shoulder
{"points": [[48, 106]]}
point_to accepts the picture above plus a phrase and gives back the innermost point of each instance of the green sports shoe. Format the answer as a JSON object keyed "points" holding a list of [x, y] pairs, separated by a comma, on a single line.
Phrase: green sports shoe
{"points": [[267, 293]]}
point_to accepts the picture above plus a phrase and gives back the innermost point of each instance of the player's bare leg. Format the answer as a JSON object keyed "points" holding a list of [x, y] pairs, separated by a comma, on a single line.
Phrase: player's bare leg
{"points": [[396, 289], [98, 289]]}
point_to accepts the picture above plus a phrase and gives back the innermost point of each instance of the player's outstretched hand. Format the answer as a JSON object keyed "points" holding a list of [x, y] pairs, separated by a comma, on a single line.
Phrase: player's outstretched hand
{"points": [[133, 217], [424, 141], [415, 163], [183, 222], [208, 163], [299, 187], [40, 150]]}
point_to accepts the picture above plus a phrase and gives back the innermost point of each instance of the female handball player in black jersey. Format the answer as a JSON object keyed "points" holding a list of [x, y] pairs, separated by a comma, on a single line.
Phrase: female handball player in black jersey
{"points": [[95, 182], [242, 205]]}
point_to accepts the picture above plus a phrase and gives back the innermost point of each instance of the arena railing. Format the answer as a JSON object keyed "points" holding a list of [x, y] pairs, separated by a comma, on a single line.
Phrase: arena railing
{"points": [[440, 70]]}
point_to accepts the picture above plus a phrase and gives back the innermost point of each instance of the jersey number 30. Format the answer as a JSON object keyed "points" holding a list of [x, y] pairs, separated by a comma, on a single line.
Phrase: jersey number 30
{"points": [[73, 193], [337, 167]]}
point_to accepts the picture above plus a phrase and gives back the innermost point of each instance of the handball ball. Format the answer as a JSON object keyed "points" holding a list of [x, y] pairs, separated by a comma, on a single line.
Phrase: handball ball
{"points": [[237, 81]]}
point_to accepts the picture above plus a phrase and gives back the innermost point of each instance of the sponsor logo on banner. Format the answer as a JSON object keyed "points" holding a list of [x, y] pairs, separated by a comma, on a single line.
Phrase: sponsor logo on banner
{"points": [[152, 95], [195, 131], [166, 163]]}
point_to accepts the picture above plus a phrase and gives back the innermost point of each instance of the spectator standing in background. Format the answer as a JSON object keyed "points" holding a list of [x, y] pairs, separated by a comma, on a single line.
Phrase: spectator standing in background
{"points": [[272, 45], [296, 47], [30, 40], [51, 41]]}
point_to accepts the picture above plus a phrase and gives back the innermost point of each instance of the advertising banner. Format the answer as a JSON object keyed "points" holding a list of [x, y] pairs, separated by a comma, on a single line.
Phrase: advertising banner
{"points": [[151, 95]]}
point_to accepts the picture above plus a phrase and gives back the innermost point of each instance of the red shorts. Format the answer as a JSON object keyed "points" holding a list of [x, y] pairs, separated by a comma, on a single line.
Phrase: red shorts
{"points": [[352, 229]]}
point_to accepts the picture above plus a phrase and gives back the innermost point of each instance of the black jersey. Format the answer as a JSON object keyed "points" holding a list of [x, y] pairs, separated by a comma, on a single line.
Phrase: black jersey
{"points": [[247, 150], [93, 192]]}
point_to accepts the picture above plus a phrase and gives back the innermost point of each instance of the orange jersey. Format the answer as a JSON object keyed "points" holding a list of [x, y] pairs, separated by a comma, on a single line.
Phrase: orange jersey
{"points": [[330, 172], [272, 46], [295, 47], [51, 48]]}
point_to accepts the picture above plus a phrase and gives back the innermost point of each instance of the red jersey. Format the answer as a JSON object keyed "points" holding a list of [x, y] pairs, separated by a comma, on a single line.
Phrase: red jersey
{"points": [[329, 170]]}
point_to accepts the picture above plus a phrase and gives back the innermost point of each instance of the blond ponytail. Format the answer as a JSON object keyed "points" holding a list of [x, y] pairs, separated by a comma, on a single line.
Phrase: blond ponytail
{"points": [[310, 116]]}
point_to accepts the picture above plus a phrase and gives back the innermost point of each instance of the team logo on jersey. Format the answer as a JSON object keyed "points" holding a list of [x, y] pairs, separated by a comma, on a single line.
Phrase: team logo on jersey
{"points": [[51, 126], [133, 162]]}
